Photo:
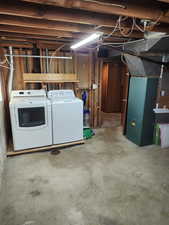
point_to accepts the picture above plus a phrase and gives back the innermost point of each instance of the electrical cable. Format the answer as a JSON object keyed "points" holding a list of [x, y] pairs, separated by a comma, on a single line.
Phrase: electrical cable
{"points": [[5, 67], [138, 27], [118, 26], [131, 30], [3, 62], [114, 30], [156, 22], [106, 3]]}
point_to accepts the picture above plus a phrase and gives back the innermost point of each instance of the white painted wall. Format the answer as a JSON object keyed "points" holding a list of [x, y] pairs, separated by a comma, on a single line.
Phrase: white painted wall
{"points": [[2, 135]]}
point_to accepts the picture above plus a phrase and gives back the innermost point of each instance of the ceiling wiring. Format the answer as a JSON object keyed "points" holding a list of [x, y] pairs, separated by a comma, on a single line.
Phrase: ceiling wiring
{"points": [[113, 31], [155, 22], [119, 27], [106, 3], [131, 29], [5, 67], [138, 27]]}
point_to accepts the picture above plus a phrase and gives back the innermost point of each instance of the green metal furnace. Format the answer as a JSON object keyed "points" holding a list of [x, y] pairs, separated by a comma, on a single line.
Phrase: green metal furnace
{"points": [[140, 116]]}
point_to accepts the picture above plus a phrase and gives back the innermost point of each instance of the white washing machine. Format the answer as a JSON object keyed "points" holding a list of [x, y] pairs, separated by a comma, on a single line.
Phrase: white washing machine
{"points": [[67, 116], [31, 122]]}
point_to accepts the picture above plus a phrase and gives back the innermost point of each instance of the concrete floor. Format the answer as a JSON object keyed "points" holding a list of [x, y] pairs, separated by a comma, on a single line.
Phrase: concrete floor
{"points": [[107, 181]]}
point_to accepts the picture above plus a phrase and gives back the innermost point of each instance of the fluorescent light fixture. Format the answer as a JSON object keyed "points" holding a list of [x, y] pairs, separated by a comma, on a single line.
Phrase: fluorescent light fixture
{"points": [[87, 40]]}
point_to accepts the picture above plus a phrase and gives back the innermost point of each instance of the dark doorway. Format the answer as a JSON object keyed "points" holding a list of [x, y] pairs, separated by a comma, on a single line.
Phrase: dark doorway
{"points": [[115, 81]]}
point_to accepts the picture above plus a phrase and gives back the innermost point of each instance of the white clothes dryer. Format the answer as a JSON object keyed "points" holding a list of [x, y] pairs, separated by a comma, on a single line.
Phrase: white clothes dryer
{"points": [[31, 122]]}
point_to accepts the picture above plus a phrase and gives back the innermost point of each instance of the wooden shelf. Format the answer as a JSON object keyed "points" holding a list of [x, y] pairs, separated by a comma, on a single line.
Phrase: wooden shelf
{"points": [[50, 78], [45, 148], [46, 81]]}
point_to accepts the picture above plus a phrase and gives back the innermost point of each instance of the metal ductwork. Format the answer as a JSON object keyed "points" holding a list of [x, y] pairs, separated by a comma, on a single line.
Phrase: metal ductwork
{"points": [[154, 45], [143, 64], [141, 67]]}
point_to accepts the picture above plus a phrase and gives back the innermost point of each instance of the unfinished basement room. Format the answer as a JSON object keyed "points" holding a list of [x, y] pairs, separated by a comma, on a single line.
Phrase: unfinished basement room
{"points": [[84, 112]]}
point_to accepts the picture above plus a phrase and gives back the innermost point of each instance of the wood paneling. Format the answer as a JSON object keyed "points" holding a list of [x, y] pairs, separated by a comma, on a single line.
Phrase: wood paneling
{"points": [[82, 69], [18, 70], [86, 66]]}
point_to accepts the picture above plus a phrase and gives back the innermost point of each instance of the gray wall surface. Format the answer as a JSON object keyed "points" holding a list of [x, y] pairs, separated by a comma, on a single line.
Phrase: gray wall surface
{"points": [[2, 136]]}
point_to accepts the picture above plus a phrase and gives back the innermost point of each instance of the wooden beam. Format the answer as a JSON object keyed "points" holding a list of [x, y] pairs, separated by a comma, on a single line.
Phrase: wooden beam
{"points": [[49, 77], [32, 37], [64, 26], [56, 14], [11, 152], [44, 24], [43, 32], [56, 33], [166, 1], [130, 9], [53, 25], [20, 40], [24, 43], [16, 44]]}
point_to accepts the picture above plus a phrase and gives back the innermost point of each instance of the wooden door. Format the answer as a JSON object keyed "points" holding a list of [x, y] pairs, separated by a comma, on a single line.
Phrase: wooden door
{"points": [[111, 88], [126, 80]]}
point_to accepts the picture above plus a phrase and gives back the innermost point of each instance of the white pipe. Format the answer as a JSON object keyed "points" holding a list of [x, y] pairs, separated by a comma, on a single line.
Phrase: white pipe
{"points": [[10, 81], [38, 56]]}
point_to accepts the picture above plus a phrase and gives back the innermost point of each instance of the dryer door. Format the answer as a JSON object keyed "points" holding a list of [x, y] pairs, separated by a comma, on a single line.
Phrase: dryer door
{"points": [[31, 117]]}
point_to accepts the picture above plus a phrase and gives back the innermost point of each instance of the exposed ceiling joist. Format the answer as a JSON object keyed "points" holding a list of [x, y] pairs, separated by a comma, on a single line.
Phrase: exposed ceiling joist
{"points": [[36, 38], [131, 9], [63, 26], [43, 24], [43, 32], [15, 44], [32, 37], [166, 1], [20, 43], [51, 25], [56, 14]]}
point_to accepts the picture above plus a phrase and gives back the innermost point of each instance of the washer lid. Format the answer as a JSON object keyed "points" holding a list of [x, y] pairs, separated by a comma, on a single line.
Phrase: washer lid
{"points": [[66, 101]]}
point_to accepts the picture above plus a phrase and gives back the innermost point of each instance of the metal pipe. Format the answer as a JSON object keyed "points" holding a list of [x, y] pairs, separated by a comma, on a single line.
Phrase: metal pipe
{"points": [[10, 81], [38, 56], [160, 81]]}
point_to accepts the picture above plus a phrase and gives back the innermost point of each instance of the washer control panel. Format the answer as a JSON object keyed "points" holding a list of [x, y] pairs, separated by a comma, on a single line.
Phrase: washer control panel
{"points": [[61, 94]]}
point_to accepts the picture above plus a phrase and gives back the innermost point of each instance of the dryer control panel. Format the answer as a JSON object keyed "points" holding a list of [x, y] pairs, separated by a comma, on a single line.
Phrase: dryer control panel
{"points": [[28, 93]]}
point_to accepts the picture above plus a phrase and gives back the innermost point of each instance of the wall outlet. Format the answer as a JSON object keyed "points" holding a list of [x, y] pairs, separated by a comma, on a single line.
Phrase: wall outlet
{"points": [[94, 86], [162, 93]]}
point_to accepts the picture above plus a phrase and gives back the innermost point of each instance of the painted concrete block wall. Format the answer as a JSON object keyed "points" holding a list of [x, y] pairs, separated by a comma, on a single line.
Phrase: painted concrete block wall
{"points": [[2, 136]]}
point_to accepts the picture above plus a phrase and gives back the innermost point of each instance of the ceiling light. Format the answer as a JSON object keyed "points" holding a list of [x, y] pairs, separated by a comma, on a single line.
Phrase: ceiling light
{"points": [[87, 40]]}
